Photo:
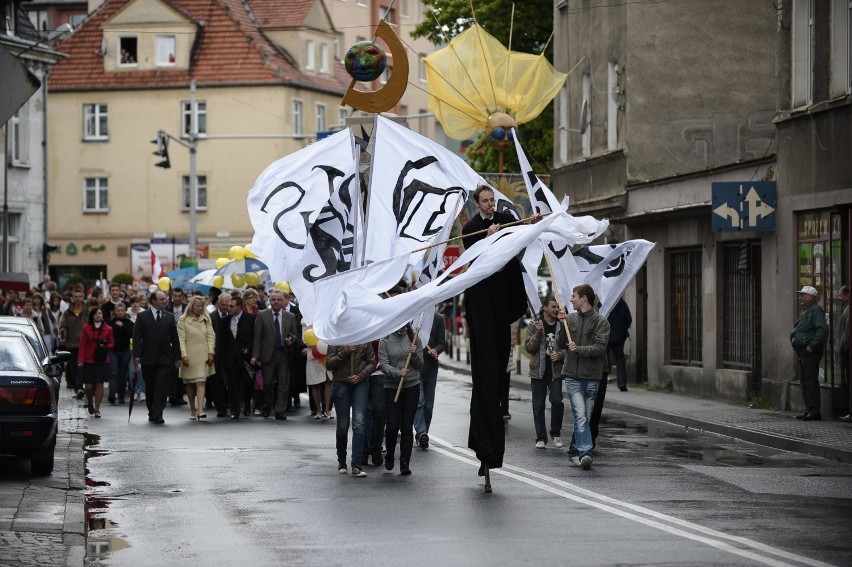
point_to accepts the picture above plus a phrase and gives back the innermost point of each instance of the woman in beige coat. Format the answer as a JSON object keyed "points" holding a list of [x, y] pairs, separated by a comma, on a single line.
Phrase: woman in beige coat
{"points": [[197, 348]]}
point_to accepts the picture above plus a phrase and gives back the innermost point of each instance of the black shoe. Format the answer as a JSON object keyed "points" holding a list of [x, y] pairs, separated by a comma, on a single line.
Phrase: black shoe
{"points": [[120, 400], [151, 419], [111, 400], [173, 402], [221, 414], [246, 412], [266, 412], [403, 469], [623, 388], [280, 416], [507, 416], [423, 441], [160, 421], [812, 417], [297, 403], [389, 462], [235, 416], [91, 407], [376, 457], [802, 416]]}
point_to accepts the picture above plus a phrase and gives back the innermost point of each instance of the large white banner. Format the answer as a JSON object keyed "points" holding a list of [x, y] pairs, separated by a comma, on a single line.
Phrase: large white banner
{"points": [[352, 312], [608, 268], [303, 209], [417, 187]]}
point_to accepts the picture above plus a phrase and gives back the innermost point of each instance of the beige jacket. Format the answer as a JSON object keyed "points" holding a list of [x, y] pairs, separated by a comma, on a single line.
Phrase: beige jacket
{"points": [[197, 341]]}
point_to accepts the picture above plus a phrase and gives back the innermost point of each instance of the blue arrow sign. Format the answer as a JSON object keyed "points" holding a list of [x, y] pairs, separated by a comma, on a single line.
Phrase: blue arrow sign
{"points": [[744, 206]]}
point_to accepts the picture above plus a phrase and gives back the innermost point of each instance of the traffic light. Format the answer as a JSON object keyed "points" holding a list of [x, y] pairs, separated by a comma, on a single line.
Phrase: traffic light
{"points": [[162, 142]]}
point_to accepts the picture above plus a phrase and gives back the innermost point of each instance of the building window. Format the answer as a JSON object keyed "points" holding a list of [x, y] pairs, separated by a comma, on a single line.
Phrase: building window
{"points": [[741, 307], [342, 115], [586, 117], [421, 67], [38, 18], [128, 51], [165, 50], [186, 117], [563, 125], [841, 48], [613, 92], [96, 199], [201, 180], [803, 52], [14, 241], [321, 125], [404, 9], [323, 58], [95, 122], [9, 17], [19, 139], [685, 307], [309, 55], [297, 117], [422, 121]]}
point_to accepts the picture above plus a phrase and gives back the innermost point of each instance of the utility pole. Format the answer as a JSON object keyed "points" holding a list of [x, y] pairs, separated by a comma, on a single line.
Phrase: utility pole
{"points": [[193, 176]]}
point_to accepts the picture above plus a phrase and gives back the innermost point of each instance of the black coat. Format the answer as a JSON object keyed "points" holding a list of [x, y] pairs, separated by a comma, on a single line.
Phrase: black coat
{"points": [[234, 351], [155, 343], [619, 322]]}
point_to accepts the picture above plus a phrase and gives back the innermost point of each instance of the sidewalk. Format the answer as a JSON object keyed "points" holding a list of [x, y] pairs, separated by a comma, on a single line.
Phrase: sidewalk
{"points": [[830, 439]]}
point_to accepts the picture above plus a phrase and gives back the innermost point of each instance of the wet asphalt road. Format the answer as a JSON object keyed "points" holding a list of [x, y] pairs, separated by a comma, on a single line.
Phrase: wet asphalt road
{"points": [[261, 492]]}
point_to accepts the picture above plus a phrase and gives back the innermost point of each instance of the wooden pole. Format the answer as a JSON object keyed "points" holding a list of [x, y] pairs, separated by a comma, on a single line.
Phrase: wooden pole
{"points": [[558, 295], [513, 223]]}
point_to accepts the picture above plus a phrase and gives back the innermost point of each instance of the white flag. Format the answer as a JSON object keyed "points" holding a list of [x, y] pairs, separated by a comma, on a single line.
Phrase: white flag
{"points": [[417, 187], [157, 271], [352, 312], [314, 186], [608, 268]]}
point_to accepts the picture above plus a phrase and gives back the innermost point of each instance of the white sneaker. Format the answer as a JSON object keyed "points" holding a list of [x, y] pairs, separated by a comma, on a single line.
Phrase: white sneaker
{"points": [[586, 463], [576, 460], [539, 444], [557, 441]]}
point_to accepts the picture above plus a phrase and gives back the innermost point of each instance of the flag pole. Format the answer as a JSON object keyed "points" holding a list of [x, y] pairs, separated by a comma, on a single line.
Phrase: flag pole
{"points": [[408, 358], [513, 223]]}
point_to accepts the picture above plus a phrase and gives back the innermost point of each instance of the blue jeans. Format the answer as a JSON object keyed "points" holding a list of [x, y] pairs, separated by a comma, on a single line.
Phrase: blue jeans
{"points": [[540, 390], [346, 397], [119, 366], [428, 381], [581, 396]]}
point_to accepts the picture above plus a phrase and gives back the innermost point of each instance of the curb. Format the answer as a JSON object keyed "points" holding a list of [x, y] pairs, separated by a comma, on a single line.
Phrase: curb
{"points": [[757, 437]]}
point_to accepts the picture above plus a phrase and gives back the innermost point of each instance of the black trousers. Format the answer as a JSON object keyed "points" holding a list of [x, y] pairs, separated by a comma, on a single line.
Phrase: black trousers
{"points": [[809, 379], [239, 389], [157, 381], [216, 391], [597, 409], [376, 410], [400, 417], [620, 364]]}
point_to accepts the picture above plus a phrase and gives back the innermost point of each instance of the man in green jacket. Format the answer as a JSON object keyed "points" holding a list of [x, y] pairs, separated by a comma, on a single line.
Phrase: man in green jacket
{"points": [[808, 340]]}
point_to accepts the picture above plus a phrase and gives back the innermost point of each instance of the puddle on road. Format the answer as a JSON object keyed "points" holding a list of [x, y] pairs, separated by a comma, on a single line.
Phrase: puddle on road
{"points": [[100, 537]]}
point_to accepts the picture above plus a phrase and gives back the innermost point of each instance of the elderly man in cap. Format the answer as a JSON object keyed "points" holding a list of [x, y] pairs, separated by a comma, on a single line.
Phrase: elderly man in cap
{"points": [[808, 339]]}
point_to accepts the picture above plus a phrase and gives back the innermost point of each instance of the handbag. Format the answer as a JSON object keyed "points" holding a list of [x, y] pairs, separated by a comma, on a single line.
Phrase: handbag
{"points": [[101, 352]]}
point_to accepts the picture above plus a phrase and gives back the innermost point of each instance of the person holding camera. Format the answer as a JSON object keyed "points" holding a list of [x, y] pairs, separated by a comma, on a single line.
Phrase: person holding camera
{"points": [[96, 340], [546, 373]]}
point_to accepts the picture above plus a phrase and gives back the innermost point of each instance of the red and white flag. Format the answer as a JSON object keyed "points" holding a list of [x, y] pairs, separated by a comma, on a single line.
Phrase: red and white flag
{"points": [[157, 271]]}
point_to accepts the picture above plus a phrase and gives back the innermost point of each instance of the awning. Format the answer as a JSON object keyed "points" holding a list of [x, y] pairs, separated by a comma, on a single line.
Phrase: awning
{"points": [[17, 281]]}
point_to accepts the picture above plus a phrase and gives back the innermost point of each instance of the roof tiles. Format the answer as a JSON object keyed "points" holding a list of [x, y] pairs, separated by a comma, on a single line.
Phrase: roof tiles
{"points": [[229, 49]]}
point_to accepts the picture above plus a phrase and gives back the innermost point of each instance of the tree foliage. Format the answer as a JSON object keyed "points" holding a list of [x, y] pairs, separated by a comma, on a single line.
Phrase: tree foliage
{"points": [[532, 28]]}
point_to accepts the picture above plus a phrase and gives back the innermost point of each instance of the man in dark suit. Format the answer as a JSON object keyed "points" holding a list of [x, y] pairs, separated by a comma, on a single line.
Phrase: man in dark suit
{"points": [[156, 347], [490, 307], [233, 346], [274, 332], [216, 391]]}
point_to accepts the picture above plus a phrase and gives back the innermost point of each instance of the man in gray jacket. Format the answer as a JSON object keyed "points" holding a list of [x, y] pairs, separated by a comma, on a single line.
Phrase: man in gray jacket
{"points": [[584, 359]]}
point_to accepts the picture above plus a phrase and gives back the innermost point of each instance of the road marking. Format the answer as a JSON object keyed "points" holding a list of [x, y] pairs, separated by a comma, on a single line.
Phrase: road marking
{"points": [[608, 504]]}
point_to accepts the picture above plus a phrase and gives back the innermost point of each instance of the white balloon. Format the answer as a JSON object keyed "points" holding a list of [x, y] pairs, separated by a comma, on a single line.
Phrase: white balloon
{"points": [[322, 347]]}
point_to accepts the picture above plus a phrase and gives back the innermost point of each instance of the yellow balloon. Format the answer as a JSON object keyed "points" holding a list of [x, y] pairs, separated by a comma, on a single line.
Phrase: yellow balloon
{"points": [[310, 337], [282, 286], [218, 281], [249, 254], [237, 252], [164, 283], [238, 280], [220, 262], [252, 279]]}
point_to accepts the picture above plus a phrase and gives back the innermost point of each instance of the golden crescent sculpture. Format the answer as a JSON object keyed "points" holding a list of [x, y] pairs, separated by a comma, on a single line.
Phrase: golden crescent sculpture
{"points": [[389, 94]]}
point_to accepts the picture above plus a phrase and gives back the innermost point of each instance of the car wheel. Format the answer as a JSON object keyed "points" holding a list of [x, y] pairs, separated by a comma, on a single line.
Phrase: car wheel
{"points": [[41, 462]]}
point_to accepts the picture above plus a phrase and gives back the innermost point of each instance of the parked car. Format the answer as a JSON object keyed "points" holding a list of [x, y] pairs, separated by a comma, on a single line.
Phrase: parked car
{"points": [[29, 330], [28, 411]]}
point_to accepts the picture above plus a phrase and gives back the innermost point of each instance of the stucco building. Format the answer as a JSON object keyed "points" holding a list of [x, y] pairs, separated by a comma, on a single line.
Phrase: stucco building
{"points": [[668, 99]]}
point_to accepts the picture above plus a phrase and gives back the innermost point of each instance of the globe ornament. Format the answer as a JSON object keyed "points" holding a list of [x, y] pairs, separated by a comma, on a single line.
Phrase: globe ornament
{"points": [[365, 61], [498, 131]]}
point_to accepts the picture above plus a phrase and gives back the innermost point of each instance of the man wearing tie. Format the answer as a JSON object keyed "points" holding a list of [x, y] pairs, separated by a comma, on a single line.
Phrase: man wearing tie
{"points": [[234, 343], [216, 391], [274, 330], [156, 347]]}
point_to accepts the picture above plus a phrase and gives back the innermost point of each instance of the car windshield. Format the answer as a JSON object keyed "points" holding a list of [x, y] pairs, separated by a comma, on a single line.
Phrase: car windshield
{"points": [[29, 331], [15, 356]]}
